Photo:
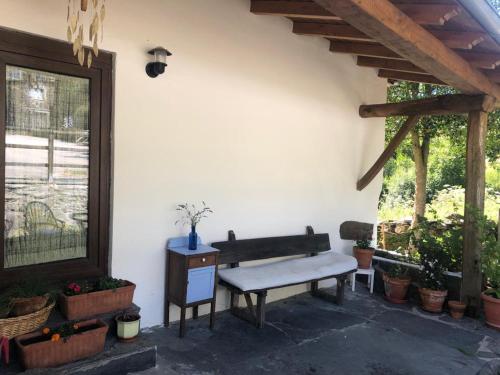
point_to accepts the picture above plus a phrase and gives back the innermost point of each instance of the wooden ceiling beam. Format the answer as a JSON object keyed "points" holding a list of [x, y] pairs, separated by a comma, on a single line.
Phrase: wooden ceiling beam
{"points": [[481, 60], [363, 49], [459, 39], [293, 9], [438, 105], [452, 39], [430, 14], [423, 14], [329, 30], [411, 77], [385, 23], [493, 75], [398, 65], [475, 59]]}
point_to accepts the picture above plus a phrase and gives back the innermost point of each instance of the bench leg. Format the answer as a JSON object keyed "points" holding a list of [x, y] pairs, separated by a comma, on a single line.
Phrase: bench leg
{"points": [[261, 309], [340, 289], [314, 288]]}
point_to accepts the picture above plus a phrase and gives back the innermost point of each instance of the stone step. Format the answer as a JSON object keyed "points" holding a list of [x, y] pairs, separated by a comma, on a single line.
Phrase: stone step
{"points": [[119, 359]]}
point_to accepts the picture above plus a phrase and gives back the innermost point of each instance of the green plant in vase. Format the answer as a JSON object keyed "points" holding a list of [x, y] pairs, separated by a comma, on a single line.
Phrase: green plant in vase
{"points": [[192, 215]]}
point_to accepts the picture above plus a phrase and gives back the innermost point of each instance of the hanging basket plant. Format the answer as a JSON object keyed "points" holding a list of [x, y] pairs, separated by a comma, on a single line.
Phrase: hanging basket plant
{"points": [[85, 28]]}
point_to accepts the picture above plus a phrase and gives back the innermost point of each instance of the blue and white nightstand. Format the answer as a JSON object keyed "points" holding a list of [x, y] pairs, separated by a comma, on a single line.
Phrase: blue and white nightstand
{"points": [[191, 279]]}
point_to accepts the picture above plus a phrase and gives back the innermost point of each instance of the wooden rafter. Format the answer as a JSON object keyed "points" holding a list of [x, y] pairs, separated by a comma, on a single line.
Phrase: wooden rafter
{"points": [[410, 123], [389, 64], [430, 14], [410, 77], [363, 49], [480, 60], [438, 105], [294, 9], [459, 39], [329, 30], [424, 14], [385, 23], [452, 39]]}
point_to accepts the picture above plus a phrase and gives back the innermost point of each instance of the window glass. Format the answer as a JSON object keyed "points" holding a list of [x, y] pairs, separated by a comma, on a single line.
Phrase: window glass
{"points": [[46, 167]]}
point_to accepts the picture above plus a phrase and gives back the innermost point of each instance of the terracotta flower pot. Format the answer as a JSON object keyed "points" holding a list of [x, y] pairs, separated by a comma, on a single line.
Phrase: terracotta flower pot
{"points": [[491, 310], [38, 351], [95, 303], [432, 300], [457, 309], [363, 256], [396, 288]]}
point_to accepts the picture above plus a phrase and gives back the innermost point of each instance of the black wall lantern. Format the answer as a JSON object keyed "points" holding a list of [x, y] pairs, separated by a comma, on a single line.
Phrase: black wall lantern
{"points": [[157, 67]]}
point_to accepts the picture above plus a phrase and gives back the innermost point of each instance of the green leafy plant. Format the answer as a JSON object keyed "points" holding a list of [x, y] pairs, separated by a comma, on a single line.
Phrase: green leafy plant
{"points": [[490, 255], [28, 288], [397, 271], [106, 283], [363, 244], [433, 257], [128, 316]]}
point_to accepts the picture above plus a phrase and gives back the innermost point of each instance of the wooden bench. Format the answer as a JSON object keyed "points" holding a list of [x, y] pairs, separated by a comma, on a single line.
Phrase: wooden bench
{"points": [[319, 264]]}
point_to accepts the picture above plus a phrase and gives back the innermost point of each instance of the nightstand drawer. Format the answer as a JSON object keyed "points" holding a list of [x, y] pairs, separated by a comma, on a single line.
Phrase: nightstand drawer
{"points": [[201, 261]]}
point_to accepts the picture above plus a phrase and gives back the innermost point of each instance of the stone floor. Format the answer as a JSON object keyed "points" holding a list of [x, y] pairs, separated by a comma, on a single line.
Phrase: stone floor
{"points": [[305, 335]]}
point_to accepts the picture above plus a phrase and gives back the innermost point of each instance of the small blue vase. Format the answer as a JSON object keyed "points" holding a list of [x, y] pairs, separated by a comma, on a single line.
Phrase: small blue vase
{"points": [[193, 238]]}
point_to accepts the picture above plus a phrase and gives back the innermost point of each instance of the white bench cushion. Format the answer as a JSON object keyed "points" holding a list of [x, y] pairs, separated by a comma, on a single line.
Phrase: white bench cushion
{"points": [[289, 271]]}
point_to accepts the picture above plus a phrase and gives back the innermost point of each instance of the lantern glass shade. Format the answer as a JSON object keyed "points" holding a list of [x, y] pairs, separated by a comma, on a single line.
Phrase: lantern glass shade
{"points": [[160, 55]]}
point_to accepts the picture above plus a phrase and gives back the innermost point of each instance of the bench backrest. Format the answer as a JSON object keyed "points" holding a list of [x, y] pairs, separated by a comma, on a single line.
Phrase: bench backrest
{"points": [[235, 251]]}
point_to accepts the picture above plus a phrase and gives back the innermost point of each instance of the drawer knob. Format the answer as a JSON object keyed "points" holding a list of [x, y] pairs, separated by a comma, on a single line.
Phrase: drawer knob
{"points": [[203, 260]]}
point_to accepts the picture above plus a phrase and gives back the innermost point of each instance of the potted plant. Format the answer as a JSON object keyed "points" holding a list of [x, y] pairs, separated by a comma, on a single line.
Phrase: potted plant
{"points": [[88, 299], [64, 344], [363, 253], [192, 215], [457, 309], [128, 325], [396, 283], [434, 262], [490, 260], [27, 296]]}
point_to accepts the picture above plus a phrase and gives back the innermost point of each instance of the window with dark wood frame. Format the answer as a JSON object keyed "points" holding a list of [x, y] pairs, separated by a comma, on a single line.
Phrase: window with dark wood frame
{"points": [[55, 129]]}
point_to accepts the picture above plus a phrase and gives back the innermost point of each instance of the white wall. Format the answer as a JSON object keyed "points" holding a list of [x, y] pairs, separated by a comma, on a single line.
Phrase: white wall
{"points": [[260, 123]]}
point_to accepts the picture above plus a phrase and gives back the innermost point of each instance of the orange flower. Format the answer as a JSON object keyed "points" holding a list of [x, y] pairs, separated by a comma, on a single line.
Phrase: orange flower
{"points": [[55, 337], [75, 327], [46, 331]]}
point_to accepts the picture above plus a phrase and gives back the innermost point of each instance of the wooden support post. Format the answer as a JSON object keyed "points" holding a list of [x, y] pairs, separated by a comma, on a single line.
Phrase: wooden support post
{"points": [[410, 123], [474, 204]]}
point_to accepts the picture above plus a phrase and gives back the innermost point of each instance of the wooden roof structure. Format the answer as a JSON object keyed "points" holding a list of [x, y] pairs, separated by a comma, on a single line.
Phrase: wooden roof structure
{"points": [[429, 41]]}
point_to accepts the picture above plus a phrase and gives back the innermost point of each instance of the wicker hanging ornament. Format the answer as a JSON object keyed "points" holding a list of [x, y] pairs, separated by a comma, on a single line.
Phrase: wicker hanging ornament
{"points": [[85, 25]]}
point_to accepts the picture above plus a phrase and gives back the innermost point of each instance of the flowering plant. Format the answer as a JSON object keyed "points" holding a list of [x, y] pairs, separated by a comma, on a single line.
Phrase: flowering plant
{"points": [[73, 289], [62, 332], [104, 283]]}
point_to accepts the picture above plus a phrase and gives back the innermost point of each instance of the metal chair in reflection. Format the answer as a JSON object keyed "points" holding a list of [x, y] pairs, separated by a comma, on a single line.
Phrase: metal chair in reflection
{"points": [[39, 218]]}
